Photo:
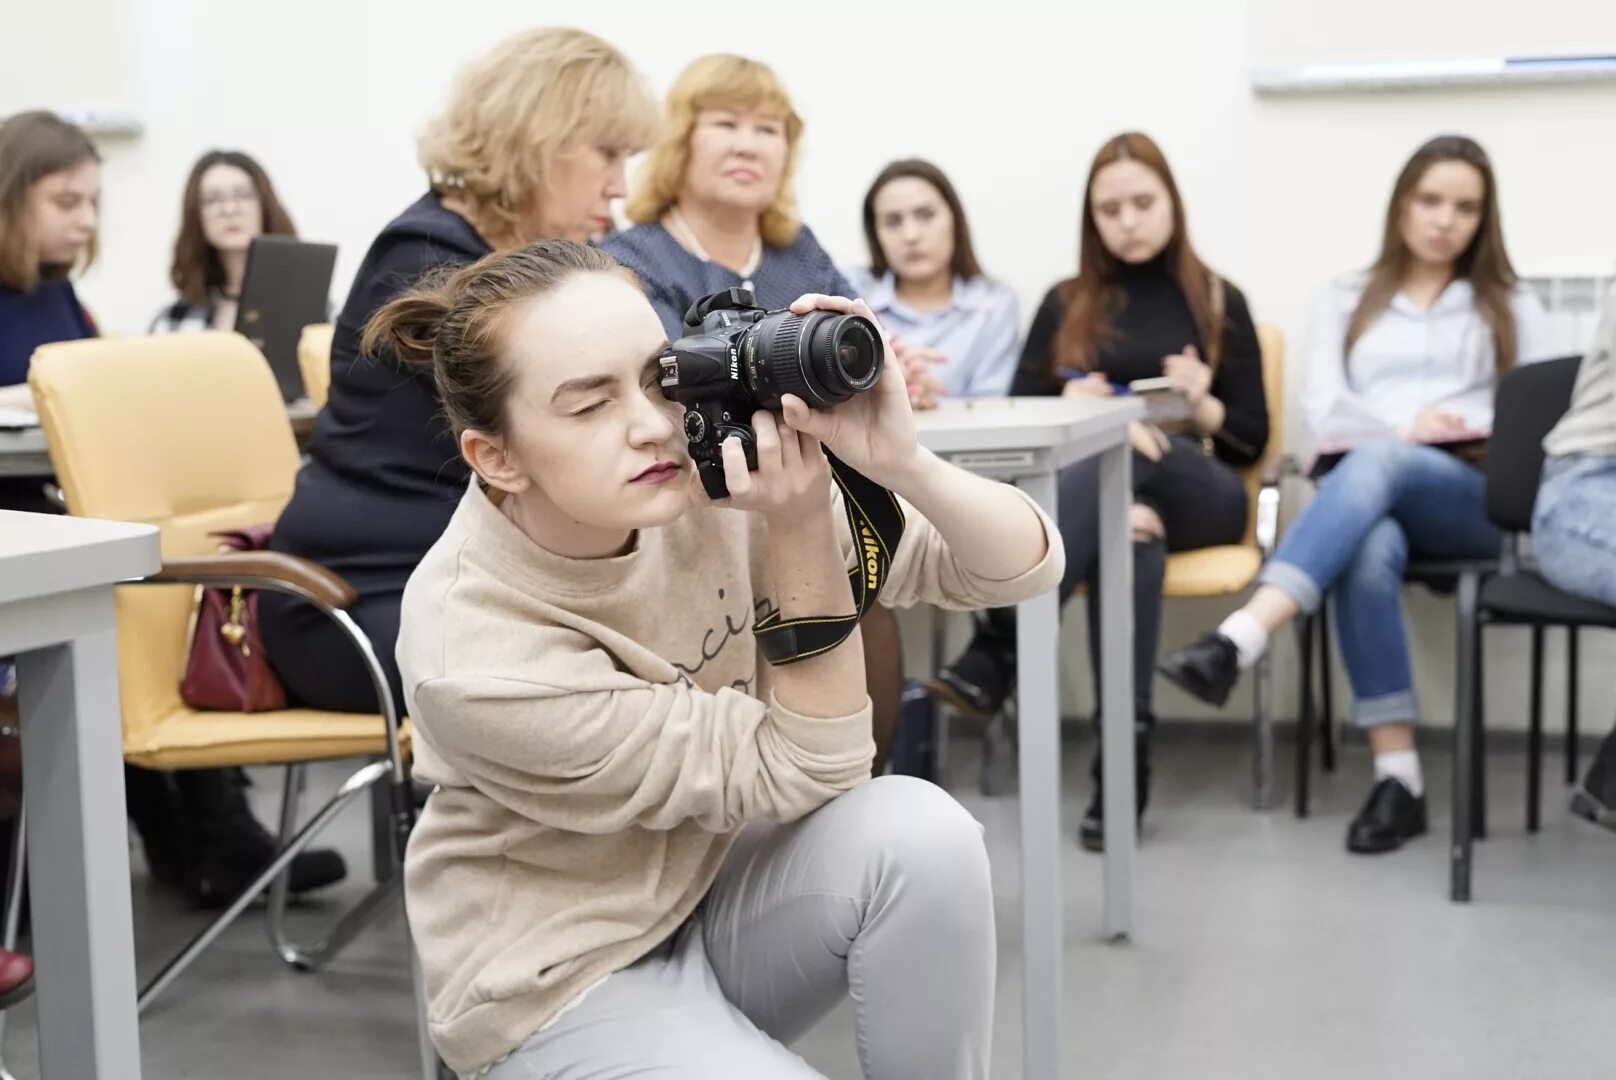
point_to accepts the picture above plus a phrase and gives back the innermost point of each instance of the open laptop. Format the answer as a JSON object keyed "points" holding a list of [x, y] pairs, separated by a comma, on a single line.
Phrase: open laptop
{"points": [[287, 287]]}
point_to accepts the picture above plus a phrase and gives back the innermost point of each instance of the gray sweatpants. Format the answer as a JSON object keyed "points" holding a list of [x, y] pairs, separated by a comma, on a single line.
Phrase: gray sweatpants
{"points": [[881, 895]]}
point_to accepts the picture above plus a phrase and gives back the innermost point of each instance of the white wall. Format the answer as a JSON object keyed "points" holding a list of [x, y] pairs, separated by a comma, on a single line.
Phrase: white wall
{"points": [[1281, 194]]}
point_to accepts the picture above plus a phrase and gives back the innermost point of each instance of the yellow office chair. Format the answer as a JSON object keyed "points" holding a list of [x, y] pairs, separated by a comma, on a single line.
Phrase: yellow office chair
{"points": [[1231, 568], [188, 432], [314, 360]]}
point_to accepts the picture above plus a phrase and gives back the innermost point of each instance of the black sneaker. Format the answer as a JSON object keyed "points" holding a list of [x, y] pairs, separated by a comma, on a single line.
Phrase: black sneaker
{"points": [[978, 683], [1391, 816], [1207, 670]]}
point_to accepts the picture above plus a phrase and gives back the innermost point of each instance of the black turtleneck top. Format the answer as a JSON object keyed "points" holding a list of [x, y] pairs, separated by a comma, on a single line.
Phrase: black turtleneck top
{"points": [[1155, 323]]}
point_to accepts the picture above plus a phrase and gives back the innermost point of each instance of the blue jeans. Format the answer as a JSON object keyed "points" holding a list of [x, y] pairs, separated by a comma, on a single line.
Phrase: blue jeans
{"points": [[1385, 499], [1574, 525]]}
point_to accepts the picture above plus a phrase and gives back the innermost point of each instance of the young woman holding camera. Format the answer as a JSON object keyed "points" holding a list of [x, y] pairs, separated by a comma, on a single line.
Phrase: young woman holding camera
{"points": [[1143, 305], [646, 851]]}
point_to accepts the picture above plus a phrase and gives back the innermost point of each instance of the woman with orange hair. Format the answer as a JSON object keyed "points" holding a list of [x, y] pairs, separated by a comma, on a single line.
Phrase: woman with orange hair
{"points": [[715, 210], [713, 206]]}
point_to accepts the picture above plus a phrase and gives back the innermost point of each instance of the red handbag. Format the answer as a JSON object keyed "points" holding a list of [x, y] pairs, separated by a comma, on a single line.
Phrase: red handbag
{"points": [[226, 669]]}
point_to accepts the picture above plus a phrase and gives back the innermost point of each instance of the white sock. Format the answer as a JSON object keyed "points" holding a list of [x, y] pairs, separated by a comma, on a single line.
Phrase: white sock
{"points": [[1404, 767], [1250, 636]]}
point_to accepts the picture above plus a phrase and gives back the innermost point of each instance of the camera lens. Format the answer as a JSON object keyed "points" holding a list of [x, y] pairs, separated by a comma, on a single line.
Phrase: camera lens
{"points": [[856, 359], [822, 357]]}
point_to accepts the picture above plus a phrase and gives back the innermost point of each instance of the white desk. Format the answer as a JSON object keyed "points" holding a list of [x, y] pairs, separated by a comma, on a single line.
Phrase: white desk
{"points": [[1027, 441], [23, 453], [56, 617]]}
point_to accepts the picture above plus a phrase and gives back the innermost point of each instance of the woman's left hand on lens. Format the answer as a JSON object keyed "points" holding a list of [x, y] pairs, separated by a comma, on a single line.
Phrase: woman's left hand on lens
{"points": [[1189, 374], [874, 432]]}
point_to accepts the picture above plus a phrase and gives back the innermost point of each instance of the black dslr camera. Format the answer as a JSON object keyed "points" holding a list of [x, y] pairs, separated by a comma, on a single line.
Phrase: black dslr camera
{"points": [[736, 358]]}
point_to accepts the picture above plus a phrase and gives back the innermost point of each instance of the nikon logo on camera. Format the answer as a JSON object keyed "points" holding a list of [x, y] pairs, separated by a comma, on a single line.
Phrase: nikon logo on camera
{"points": [[872, 551]]}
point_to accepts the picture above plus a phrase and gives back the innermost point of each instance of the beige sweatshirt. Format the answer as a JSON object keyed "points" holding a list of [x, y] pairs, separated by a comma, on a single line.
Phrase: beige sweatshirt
{"points": [[1589, 425], [598, 731]]}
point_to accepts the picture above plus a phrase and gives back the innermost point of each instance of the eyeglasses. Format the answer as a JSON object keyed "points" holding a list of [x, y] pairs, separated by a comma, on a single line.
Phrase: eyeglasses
{"points": [[220, 201]]}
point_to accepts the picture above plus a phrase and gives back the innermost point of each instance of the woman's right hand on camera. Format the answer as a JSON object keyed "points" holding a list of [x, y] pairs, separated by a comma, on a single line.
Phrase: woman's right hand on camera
{"points": [[792, 478]]}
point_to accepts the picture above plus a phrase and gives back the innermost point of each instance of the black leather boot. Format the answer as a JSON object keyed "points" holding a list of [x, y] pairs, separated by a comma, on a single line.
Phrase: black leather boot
{"points": [[229, 846], [1091, 832]]}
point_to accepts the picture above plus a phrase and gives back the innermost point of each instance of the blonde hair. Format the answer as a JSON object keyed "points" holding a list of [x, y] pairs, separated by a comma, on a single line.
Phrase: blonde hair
{"points": [[513, 109], [721, 81]]}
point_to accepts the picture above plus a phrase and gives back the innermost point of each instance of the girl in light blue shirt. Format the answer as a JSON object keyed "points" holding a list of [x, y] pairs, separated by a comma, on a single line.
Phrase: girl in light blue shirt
{"points": [[1398, 391], [957, 330]]}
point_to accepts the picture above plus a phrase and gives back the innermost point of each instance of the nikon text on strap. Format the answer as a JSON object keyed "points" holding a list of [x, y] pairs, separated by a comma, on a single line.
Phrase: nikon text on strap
{"points": [[875, 519]]}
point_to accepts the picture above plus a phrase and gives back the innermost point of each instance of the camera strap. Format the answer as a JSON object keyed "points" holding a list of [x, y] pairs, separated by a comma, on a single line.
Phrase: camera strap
{"points": [[875, 519]]}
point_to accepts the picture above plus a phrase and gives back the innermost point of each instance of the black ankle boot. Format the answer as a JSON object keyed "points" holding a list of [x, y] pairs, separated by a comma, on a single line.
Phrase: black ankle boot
{"points": [[229, 846], [1091, 832], [154, 809], [1207, 669]]}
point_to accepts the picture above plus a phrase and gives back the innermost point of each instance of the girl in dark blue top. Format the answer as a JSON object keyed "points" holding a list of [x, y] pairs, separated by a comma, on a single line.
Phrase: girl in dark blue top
{"points": [[50, 199]]}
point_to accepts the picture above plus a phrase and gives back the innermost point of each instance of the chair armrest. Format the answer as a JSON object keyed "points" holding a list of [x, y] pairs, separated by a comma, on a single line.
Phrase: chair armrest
{"points": [[260, 570], [323, 588]]}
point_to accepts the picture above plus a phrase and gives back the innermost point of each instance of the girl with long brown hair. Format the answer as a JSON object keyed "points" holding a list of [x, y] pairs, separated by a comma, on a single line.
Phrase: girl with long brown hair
{"points": [[1142, 306], [228, 201], [50, 208], [1397, 389]]}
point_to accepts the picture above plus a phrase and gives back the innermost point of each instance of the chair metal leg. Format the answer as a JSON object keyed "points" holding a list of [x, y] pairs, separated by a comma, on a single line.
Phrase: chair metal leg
{"points": [[352, 788], [306, 957], [1304, 719], [1262, 757], [1326, 692], [939, 649], [1572, 685], [1534, 737], [383, 862], [1466, 726], [1478, 707], [16, 879]]}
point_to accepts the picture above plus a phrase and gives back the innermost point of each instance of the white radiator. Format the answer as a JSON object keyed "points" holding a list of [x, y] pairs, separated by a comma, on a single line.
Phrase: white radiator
{"points": [[1574, 302]]}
